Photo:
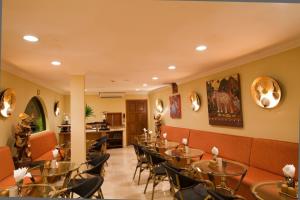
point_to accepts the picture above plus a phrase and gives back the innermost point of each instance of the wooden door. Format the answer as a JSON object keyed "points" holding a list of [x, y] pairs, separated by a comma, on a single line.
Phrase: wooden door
{"points": [[137, 118]]}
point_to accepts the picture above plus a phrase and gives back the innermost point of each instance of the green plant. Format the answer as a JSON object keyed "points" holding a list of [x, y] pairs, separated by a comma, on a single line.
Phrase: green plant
{"points": [[89, 111]]}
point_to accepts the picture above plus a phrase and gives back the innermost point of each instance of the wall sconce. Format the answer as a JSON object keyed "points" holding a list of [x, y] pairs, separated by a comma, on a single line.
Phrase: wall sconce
{"points": [[266, 92], [195, 101], [7, 102], [159, 105], [56, 108]]}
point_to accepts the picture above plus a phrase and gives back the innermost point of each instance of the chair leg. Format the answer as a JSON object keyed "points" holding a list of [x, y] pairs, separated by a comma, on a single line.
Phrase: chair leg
{"points": [[154, 184], [141, 170], [135, 172], [150, 177]]}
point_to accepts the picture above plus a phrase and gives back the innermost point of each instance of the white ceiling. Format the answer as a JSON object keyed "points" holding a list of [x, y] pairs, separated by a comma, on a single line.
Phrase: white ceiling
{"points": [[129, 41]]}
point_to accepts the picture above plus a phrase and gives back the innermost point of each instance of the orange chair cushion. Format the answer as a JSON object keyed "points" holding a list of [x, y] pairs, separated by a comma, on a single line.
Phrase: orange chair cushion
{"points": [[232, 147], [46, 156], [6, 163], [272, 155], [42, 143], [175, 134]]}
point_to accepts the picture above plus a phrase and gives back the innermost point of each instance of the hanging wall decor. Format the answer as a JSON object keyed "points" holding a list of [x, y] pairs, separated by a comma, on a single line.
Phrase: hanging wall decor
{"points": [[224, 101], [175, 106], [56, 108], [266, 92], [7, 102], [195, 101], [159, 106]]}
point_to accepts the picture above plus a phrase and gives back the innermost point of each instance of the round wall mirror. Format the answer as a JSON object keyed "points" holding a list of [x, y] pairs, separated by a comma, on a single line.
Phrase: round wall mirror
{"points": [[56, 108], [266, 92], [7, 102], [195, 101], [159, 105]]}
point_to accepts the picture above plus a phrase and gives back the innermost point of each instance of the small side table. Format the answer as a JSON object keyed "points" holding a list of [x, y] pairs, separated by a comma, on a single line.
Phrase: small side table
{"points": [[270, 190]]}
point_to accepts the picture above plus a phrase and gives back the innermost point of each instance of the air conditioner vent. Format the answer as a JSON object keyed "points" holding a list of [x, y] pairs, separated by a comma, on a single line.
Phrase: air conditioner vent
{"points": [[111, 94]]}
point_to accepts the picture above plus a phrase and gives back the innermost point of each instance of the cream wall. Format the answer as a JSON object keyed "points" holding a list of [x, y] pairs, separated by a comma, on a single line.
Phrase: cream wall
{"points": [[280, 123], [25, 90]]}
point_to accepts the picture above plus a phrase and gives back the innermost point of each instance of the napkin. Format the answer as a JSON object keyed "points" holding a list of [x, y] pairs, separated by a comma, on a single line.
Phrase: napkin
{"points": [[289, 171], [215, 151], [184, 141], [145, 130], [55, 153], [150, 132], [20, 173], [165, 135]]}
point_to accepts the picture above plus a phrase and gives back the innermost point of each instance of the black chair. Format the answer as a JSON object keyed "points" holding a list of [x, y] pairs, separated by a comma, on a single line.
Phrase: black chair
{"points": [[220, 196], [187, 188], [96, 165], [97, 148], [83, 187], [141, 161], [157, 171]]}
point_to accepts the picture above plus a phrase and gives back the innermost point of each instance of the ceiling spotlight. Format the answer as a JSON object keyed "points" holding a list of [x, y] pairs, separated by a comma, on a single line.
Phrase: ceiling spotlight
{"points": [[30, 38], [155, 78], [201, 48], [56, 63], [145, 85], [172, 67]]}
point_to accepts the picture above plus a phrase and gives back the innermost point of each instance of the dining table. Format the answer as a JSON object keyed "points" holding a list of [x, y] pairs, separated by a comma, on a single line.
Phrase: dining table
{"points": [[182, 158], [30, 190], [223, 169], [272, 190]]}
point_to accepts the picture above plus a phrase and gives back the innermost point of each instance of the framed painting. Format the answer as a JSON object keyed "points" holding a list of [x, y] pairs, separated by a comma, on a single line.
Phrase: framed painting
{"points": [[175, 106], [224, 101]]}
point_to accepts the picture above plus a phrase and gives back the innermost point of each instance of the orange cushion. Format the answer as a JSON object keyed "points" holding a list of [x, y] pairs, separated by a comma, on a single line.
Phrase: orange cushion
{"points": [[232, 147], [41, 143], [272, 155], [174, 133], [46, 156], [6, 163]]}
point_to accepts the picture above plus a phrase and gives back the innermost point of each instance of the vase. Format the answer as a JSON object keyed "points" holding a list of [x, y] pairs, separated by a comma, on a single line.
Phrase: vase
{"points": [[290, 182]]}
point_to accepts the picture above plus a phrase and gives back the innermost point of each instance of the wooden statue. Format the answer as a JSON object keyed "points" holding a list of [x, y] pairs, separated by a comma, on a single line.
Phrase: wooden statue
{"points": [[157, 119], [22, 134]]}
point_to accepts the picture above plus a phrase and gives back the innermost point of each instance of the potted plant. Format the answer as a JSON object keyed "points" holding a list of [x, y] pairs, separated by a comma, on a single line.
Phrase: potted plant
{"points": [[88, 111]]}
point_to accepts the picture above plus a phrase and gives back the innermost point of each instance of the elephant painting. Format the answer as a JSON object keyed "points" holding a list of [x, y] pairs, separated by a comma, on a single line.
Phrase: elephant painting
{"points": [[224, 101]]}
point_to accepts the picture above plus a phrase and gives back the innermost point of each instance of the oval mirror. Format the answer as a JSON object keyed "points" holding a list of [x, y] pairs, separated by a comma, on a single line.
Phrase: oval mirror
{"points": [[56, 108], [7, 102], [195, 101], [159, 105], [266, 92]]}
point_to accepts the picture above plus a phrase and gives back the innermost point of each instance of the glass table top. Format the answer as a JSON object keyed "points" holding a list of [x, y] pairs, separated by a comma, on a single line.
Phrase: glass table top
{"points": [[32, 190], [225, 168], [270, 190], [181, 153]]}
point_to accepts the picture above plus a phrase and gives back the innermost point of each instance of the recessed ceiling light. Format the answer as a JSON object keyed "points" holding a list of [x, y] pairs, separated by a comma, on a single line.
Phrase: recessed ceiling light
{"points": [[30, 38], [154, 78], [201, 48], [137, 89], [56, 63], [172, 67], [145, 85]]}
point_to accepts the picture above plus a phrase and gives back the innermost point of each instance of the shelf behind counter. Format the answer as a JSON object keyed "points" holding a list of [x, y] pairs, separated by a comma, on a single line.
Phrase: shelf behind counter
{"points": [[115, 136]]}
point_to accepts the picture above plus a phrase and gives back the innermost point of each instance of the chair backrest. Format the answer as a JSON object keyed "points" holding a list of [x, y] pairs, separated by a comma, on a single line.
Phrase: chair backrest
{"points": [[6, 162], [178, 180], [103, 139], [97, 164], [85, 188], [152, 157]]}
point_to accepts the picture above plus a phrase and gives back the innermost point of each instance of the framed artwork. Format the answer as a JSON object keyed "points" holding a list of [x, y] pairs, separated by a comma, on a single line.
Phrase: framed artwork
{"points": [[175, 106], [224, 101]]}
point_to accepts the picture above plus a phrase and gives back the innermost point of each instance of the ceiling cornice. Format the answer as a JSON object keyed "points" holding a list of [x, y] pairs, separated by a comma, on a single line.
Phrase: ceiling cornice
{"points": [[257, 55], [13, 69]]}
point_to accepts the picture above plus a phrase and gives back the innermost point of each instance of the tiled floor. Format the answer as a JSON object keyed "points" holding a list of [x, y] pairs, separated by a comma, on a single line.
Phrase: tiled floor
{"points": [[118, 183]]}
